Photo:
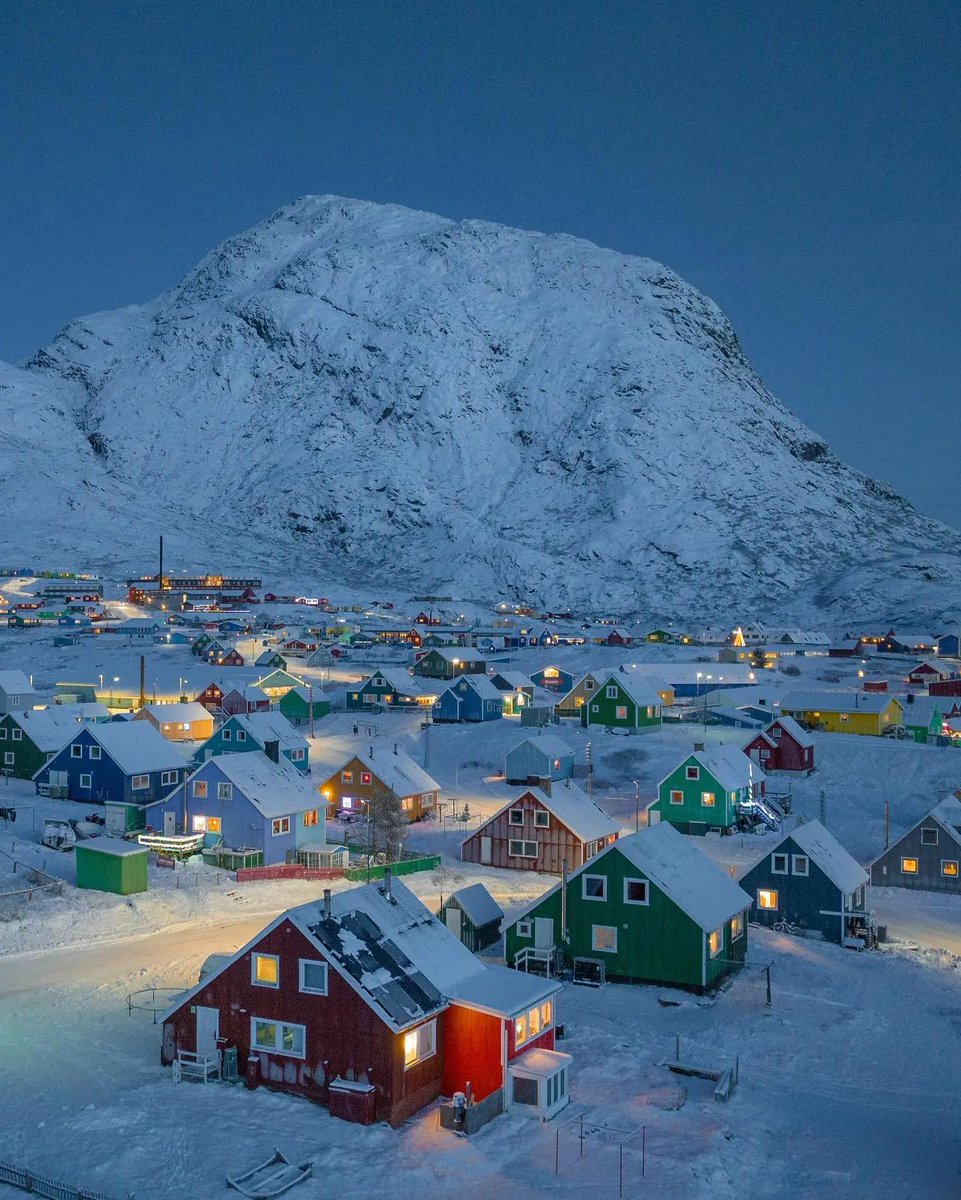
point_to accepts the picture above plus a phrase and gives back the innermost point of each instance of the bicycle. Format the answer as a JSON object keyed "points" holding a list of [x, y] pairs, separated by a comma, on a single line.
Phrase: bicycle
{"points": [[786, 927]]}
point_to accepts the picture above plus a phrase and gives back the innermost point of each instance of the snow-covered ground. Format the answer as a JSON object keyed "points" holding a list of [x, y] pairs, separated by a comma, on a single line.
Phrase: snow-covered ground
{"points": [[838, 1095]]}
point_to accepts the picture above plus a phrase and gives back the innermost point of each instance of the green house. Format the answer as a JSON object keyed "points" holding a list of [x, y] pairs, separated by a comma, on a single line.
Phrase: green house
{"points": [[651, 908], [391, 689], [111, 865], [299, 707], [923, 717], [706, 790], [622, 703], [28, 739]]}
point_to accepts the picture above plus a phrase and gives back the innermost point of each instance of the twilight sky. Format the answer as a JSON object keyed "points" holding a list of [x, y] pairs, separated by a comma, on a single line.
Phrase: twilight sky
{"points": [[800, 163]]}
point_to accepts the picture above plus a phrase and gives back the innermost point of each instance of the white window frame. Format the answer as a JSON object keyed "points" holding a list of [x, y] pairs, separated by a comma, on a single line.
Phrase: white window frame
{"points": [[775, 869], [314, 962], [76, 751], [717, 934], [241, 735], [800, 858], [280, 1026], [738, 925], [527, 850], [16, 734], [677, 796], [603, 881], [426, 1043], [279, 826], [8, 758], [603, 949], [226, 735], [168, 777], [3, 733], [139, 783], [620, 712], [647, 891], [94, 752], [86, 781], [297, 755], [933, 841], [525, 929], [768, 892], [542, 819], [255, 955], [949, 874], [513, 813], [200, 784], [692, 774], [611, 692], [909, 858], [225, 791]]}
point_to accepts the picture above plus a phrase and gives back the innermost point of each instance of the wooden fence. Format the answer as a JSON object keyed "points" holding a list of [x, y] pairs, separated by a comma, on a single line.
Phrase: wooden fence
{"points": [[43, 1185]]}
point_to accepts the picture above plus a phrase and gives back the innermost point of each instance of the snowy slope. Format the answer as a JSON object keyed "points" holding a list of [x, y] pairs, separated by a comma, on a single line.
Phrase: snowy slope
{"points": [[387, 396]]}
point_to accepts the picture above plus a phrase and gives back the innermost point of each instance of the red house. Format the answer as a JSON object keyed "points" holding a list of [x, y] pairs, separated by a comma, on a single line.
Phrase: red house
{"points": [[783, 746], [245, 700], [368, 1004], [211, 697], [620, 637], [540, 832], [946, 687], [926, 673]]}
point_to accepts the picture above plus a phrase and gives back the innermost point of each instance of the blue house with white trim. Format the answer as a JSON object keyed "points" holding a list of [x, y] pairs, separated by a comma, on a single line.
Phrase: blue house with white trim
{"points": [[269, 732], [247, 801], [470, 698], [124, 762]]}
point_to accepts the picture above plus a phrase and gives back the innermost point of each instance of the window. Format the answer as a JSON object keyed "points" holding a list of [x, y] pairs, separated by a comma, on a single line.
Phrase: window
{"points": [[604, 938], [799, 864], [278, 1037], [542, 820], [525, 929], [76, 751], [518, 849], [226, 734], [297, 755], [225, 791], [168, 777], [708, 799], [516, 816], [407, 804], [420, 1043], [520, 1031], [347, 777], [677, 797], [737, 927], [241, 735], [594, 887], [86, 781], [369, 697], [929, 837], [715, 942], [14, 701], [620, 712], [265, 970], [140, 783], [199, 824], [766, 898], [779, 864], [365, 778], [909, 866], [949, 868], [595, 708], [532, 1023], [313, 977], [200, 789], [589, 685], [692, 772], [310, 818], [213, 824], [8, 758], [611, 692], [95, 752], [3, 733], [635, 891], [279, 826]]}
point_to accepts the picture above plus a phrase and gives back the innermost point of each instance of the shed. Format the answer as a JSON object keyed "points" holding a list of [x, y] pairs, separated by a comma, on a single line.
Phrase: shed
{"points": [[111, 865], [544, 757], [474, 916]]}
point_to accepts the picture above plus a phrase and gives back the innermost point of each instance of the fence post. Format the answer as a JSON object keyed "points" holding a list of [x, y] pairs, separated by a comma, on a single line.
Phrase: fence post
{"points": [[582, 1136], [737, 1069], [767, 972], [643, 1150], [677, 1047]]}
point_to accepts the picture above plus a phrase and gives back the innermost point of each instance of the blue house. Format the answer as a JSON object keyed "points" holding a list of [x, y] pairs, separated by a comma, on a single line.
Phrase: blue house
{"points": [[553, 679], [470, 698], [247, 801], [269, 732], [948, 645], [811, 881], [539, 758], [124, 762]]}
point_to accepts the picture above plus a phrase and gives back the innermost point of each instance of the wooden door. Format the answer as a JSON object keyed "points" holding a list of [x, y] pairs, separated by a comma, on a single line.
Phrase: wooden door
{"points": [[170, 823], [452, 919], [486, 850], [543, 933], [208, 1029]]}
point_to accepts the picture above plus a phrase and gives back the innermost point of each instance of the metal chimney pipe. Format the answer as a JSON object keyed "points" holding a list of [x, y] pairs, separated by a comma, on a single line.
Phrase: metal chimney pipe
{"points": [[327, 906], [387, 882]]}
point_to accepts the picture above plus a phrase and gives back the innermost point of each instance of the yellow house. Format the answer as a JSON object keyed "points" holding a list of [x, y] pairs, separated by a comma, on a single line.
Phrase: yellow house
{"points": [[186, 722], [587, 685], [844, 712]]}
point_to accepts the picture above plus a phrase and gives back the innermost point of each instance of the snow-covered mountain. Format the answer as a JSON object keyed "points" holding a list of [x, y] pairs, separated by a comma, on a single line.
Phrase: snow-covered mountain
{"points": [[386, 397]]}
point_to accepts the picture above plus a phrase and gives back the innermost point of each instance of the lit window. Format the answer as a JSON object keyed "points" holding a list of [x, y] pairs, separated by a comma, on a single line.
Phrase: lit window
{"points": [[799, 864], [213, 824], [347, 777], [635, 891], [140, 783], [737, 927], [516, 816], [909, 866], [779, 864], [677, 797], [310, 818], [542, 819], [766, 898], [520, 1031], [949, 868], [620, 712], [604, 938], [594, 887], [547, 1013], [365, 778], [280, 825], [313, 977], [200, 789], [420, 1043], [715, 942], [265, 970], [534, 1022], [199, 824], [278, 1037], [708, 799]]}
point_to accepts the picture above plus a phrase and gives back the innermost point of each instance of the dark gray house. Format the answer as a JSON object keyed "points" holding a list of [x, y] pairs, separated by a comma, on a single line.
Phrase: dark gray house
{"points": [[473, 915], [809, 880], [926, 858]]}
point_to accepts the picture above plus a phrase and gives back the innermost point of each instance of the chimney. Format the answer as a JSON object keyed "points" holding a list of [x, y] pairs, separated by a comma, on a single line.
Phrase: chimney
{"points": [[698, 746], [910, 697], [395, 747], [327, 905], [387, 884], [371, 751], [272, 750]]}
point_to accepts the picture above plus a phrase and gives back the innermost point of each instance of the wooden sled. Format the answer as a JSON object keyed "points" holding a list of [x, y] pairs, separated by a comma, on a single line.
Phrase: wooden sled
{"points": [[271, 1178]]}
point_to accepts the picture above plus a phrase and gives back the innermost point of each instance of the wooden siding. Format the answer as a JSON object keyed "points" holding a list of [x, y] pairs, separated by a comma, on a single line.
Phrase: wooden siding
{"points": [[801, 898], [473, 1049], [334, 789], [555, 844], [886, 870]]}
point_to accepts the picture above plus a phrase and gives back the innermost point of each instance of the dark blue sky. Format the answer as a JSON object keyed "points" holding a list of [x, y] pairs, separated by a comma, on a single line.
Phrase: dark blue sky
{"points": [[798, 162]]}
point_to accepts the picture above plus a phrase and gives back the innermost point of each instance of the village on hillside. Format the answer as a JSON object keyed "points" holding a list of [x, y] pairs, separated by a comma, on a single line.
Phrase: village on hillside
{"points": [[500, 897]]}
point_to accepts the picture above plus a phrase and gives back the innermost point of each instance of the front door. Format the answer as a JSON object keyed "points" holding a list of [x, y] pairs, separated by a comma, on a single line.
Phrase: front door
{"points": [[208, 1029], [486, 850], [453, 920], [653, 816], [543, 933], [755, 756], [170, 824]]}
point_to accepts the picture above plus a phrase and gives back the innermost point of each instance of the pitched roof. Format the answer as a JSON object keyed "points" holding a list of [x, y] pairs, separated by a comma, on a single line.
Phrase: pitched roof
{"points": [[268, 727], [869, 702], [177, 714], [790, 726], [400, 681], [728, 764], [452, 653], [14, 682], [515, 679], [276, 789], [137, 747], [478, 904], [547, 743], [477, 683], [398, 771], [571, 806], [826, 851], [49, 728]]}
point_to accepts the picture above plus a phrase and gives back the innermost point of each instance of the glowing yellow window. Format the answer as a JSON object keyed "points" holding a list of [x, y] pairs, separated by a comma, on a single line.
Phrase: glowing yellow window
{"points": [[715, 941], [213, 824], [200, 824], [547, 1014], [310, 818], [520, 1031], [909, 866], [708, 799], [949, 866], [266, 970], [766, 898], [534, 1021]]}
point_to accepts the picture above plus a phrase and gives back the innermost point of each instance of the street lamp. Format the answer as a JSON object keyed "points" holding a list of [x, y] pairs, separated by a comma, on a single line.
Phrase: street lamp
{"points": [[100, 677], [116, 680]]}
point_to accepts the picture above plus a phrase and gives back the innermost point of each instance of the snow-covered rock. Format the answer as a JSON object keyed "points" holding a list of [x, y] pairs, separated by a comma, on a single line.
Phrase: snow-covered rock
{"points": [[378, 395]]}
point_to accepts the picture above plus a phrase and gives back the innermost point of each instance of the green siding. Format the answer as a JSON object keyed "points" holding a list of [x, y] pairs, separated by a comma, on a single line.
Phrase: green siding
{"points": [[27, 757], [601, 709], [122, 874], [722, 814]]}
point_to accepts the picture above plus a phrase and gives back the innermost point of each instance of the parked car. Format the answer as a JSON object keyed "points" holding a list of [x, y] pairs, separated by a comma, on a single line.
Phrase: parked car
{"points": [[896, 731]]}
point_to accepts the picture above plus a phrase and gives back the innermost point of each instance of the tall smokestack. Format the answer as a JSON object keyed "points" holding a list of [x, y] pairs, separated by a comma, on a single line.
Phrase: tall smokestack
{"points": [[143, 699], [160, 576]]}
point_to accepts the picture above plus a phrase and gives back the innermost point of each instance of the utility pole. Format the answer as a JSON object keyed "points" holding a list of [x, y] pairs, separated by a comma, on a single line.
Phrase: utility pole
{"points": [[822, 807], [887, 824], [637, 805], [590, 772], [310, 710]]}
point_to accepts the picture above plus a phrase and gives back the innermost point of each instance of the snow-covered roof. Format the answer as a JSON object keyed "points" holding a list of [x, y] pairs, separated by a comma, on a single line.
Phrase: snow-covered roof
{"points": [[137, 747], [729, 765], [13, 683], [502, 990], [49, 728], [479, 684], [515, 679], [920, 710], [115, 847], [948, 811], [930, 668], [276, 789], [177, 714], [869, 702], [399, 772], [790, 726], [826, 852], [572, 807], [456, 653], [478, 904], [400, 682], [547, 744], [270, 727]]}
